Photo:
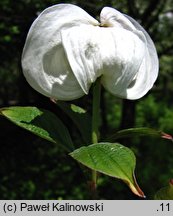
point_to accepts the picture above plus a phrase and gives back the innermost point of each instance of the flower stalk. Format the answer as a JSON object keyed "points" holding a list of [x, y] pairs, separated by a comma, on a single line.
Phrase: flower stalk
{"points": [[95, 129]]}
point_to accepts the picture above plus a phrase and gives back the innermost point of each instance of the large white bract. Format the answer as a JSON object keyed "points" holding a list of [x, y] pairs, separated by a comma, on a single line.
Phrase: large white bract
{"points": [[66, 50]]}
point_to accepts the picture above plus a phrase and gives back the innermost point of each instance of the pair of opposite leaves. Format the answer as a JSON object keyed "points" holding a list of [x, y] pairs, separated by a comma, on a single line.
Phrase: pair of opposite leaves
{"points": [[66, 50]]}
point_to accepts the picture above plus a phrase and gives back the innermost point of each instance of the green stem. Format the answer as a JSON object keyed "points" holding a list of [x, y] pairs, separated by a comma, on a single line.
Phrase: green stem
{"points": [[95, 111], [95, 128]]}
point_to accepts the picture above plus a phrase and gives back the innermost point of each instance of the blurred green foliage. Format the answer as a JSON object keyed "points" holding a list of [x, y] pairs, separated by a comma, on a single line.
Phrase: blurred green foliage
{"points": [[31, 168]]}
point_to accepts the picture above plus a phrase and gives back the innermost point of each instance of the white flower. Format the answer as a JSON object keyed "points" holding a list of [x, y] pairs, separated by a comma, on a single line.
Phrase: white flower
{"points": [[66, 50]]}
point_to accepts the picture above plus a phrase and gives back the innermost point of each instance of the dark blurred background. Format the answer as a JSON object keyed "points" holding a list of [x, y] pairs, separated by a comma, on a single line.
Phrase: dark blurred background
{"points": [[31, 168]]}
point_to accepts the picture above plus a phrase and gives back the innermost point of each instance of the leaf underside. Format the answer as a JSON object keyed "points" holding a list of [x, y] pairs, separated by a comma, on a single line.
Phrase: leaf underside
{"points": [[143, 131]]}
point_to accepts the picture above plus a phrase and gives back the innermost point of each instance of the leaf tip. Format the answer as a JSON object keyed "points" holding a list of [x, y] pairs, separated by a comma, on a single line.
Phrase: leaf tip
{"points": [[53, 100], [136, 189], [166, 136], [171, 182]]}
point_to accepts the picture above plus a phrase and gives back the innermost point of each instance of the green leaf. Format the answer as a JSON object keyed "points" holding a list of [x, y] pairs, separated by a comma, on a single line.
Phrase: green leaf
{"points": [[41, 122], [80, 118], [112, 159], [77, 109], [165, 193], [132, 132]]}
